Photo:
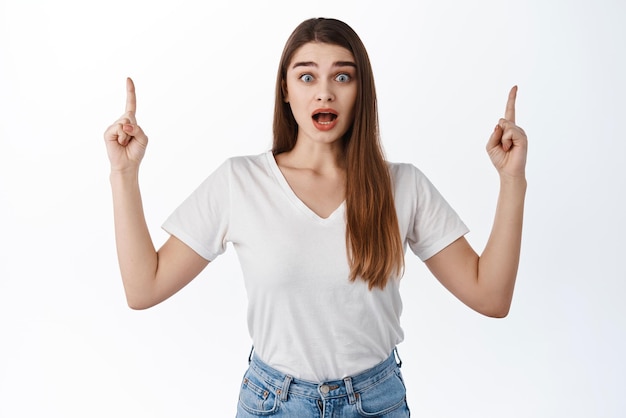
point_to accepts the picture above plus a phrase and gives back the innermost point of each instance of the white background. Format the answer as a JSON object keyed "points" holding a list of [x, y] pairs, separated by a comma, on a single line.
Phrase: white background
{"points": [[69, 345]]}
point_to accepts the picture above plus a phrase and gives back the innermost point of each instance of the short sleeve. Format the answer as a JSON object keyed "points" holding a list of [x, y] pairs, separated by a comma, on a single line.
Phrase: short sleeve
{"points": [[432, 223], [202, 220]]}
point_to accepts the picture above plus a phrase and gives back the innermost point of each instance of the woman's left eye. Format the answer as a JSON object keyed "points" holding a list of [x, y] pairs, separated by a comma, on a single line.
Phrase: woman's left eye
{"points": [[343, 78]]}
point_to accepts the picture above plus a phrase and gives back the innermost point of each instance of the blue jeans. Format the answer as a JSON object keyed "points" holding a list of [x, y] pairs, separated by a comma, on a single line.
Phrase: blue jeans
{"points": [[376, 392]]}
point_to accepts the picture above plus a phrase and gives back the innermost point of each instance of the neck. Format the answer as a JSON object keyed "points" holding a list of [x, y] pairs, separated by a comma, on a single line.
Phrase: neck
{"points": [[316, 157]]}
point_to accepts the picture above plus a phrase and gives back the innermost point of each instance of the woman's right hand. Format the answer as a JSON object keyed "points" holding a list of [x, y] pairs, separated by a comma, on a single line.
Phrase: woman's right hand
{"points": [[125, 141]]}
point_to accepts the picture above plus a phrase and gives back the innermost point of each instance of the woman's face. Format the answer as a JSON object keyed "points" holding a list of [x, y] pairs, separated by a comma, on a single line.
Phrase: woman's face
{"points": [[321, 89]]}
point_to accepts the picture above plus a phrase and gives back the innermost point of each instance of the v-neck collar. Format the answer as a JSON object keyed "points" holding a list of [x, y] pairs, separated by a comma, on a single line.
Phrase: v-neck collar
{"points": [[293, 197]]}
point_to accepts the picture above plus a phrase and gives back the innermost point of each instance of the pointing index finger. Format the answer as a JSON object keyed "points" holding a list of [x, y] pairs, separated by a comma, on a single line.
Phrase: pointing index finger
{"points": [[509, 113], [131, 99]]}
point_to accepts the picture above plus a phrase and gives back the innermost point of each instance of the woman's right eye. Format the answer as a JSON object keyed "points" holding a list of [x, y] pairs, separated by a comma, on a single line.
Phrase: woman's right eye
{"points": [[307, 78]]}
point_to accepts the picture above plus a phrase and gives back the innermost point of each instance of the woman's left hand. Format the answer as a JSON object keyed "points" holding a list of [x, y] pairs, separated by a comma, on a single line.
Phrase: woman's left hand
{"points": [[507, 147]]}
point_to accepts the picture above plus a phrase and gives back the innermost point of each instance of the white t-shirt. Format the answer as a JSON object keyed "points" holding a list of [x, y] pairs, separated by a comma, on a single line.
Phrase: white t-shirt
{"points": [[305, 317]]}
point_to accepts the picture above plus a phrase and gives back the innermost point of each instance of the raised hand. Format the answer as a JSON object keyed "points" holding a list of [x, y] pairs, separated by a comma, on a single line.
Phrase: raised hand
{"points": [[507, 146], [125, 141]]}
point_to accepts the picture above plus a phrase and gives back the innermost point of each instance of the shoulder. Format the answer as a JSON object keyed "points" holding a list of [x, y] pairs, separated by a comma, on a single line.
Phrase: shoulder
{"points": [[245, 170], [247, 160], [402, 173], [244, 163], [233, 168], [400, 167]]}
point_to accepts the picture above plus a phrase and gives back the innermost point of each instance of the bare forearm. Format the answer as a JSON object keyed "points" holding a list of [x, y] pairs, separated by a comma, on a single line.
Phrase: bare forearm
{"points": [[485, 283], [136, 253], [498, 264]]}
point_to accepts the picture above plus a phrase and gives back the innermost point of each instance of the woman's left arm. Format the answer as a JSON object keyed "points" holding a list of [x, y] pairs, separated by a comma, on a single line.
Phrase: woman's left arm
{"points": [[485, 283]]}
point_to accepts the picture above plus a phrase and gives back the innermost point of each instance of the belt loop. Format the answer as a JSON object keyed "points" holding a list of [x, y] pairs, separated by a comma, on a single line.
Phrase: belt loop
{"points": [[285, 389], [350, 390], [250, 355], [398, 359]]}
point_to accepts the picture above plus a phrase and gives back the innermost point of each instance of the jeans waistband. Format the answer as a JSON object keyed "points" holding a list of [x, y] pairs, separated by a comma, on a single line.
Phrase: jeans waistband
{"points": [[348, 386]]}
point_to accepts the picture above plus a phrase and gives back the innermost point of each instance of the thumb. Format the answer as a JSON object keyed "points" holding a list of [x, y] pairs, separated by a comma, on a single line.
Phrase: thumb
{"points": [[135, 132]]}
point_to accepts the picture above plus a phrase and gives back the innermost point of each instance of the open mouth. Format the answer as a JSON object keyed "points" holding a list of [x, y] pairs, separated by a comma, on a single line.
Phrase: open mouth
{"points": [[324, 118]]}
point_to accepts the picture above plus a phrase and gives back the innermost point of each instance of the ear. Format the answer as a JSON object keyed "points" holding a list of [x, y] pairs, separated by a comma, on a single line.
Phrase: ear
{"points": [[283, 87]]}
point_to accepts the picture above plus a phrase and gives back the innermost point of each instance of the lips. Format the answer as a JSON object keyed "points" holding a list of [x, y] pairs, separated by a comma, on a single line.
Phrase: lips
{"points": [[324, 119]]}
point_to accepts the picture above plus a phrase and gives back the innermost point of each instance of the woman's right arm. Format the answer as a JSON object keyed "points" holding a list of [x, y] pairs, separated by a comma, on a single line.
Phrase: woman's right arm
{"points": [[149, 276]]}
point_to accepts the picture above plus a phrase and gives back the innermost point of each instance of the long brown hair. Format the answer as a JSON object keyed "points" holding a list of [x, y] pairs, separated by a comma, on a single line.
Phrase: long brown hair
{"points": [[373, 241]]}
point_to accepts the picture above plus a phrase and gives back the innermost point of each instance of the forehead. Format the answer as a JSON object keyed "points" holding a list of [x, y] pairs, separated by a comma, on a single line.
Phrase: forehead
{"points": [[321, 53]]}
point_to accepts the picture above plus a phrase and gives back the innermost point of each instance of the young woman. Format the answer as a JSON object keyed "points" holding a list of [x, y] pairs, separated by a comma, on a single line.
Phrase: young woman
{"points": [[320, 224]]}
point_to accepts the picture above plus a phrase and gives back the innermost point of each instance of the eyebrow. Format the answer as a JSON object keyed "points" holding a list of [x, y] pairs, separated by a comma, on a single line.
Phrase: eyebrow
{"points": [[313, 64]]}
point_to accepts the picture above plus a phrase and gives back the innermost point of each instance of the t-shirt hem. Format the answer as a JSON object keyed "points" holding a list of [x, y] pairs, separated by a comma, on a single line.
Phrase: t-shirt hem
{"points": [[188, 240], [426, 253]]}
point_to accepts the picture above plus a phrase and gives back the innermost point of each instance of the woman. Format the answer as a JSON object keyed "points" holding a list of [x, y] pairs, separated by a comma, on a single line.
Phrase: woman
{"points": [[320, 224]]}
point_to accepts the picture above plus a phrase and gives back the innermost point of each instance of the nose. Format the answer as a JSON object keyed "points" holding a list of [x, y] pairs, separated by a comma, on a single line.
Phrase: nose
{"points": [[325, 93]]}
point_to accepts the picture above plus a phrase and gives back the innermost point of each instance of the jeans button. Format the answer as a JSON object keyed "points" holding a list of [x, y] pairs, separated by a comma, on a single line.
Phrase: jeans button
{"points": [[324, 389]]}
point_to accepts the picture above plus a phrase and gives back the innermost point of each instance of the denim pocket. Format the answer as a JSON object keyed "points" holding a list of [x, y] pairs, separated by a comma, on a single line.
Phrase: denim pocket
{"points": [[384, 397], [256, 396]]}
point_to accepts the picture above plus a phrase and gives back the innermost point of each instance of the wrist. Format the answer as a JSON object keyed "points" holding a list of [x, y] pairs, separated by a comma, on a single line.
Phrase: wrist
{"points": [[513, 187], [124, 174], [518, 180]]}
